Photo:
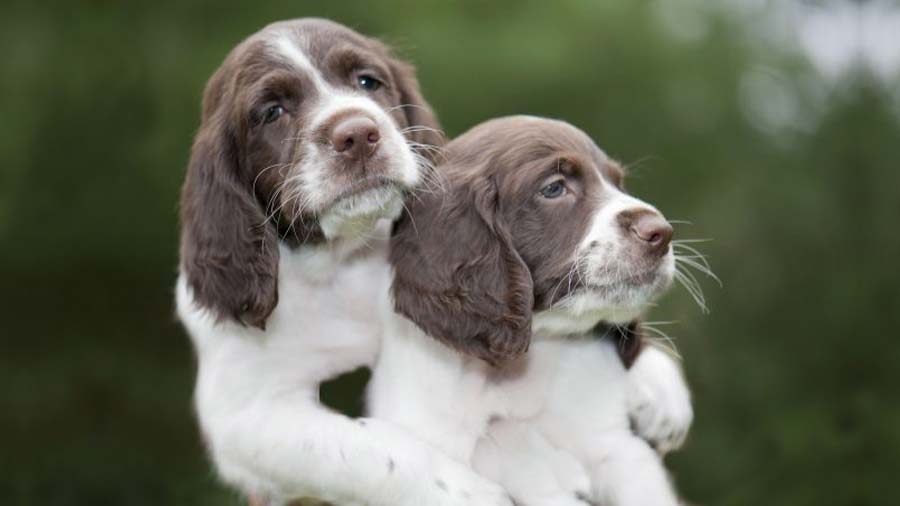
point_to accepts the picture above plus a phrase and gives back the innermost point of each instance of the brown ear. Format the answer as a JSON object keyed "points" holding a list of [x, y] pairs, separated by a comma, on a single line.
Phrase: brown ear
{"points": [[422, 128], [228, 251], [457, 274]]}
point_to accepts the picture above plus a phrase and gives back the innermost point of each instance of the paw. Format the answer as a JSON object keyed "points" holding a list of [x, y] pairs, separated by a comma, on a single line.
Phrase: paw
{"points": [[659, 402], [458, 485], [558, 499], [571, 476]]}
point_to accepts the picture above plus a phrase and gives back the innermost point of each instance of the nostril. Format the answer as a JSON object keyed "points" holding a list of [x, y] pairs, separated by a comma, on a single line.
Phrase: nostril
{"points": [[355, 137], [653, 231], [643, 234], [342, 141]]}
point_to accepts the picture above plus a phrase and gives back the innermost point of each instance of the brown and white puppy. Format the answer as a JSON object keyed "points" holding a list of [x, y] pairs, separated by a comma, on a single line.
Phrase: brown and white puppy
{"points": [[532, 240], [307, 128], [311, 134]]}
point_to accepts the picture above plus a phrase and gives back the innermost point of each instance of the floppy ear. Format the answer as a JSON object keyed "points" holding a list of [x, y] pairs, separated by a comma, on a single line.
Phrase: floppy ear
{"points": [[228, 253], [457, 274], [422, 124]]}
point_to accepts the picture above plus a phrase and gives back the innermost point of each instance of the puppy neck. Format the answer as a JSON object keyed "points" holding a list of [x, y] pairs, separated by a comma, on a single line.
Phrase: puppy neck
{"points": [[554, 323], [577, 316], [319, 262]]}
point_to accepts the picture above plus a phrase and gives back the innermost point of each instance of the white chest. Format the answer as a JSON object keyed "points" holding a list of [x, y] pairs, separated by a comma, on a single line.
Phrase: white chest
{"points": [[327, 322]]}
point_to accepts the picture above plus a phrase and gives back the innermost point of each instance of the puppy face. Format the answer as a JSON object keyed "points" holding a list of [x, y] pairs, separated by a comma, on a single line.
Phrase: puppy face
{"points": [[534, 220], [318, 112], [310, 132], [593, 252]]}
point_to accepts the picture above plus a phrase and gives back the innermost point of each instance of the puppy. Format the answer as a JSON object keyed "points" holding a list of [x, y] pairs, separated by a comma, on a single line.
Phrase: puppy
{"points": [[311, 134], [532, 240]]}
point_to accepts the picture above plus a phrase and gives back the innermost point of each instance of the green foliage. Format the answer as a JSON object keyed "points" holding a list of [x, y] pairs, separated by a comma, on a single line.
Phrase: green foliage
{"points": [[795, 371]]}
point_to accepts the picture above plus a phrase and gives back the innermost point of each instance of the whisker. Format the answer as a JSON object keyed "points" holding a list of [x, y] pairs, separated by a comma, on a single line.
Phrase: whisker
{"points": [[690, 283], [629, 167], [700, 265], [666, 342], [401, 106], [264, 170], [412, 219], [661, 322], [686, 241]]}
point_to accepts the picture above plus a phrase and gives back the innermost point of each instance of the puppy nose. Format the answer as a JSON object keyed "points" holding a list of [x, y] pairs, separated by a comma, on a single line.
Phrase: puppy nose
{"points": [[649, 229], [355, 137]]}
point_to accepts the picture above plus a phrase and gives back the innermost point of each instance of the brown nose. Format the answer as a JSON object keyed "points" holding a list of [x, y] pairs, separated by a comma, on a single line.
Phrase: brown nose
{"points": [[649, 229], [355, 137]]}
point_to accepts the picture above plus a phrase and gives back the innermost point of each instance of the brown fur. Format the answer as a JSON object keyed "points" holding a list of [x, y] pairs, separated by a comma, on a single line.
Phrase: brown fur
{"points": [[229, 249], [472, 262]]}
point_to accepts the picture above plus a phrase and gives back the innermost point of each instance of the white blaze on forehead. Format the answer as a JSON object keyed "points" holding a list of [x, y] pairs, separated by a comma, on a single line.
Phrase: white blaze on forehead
{"points": [[288, 47], [313, 181], [338, 102], [331, 100]]}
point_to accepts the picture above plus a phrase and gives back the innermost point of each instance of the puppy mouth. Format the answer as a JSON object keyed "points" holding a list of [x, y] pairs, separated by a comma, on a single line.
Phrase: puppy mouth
{"points": [[647, 278], [365, 185], [370, 198]]}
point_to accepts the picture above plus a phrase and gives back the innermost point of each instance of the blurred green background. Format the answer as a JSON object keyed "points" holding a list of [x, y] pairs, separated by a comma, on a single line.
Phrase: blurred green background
{"points": [[790, 168]]}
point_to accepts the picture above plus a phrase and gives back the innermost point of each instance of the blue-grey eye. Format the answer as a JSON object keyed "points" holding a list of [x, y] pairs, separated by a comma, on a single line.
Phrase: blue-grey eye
{"points": [[368, 83], [553, 190], [273, 113]]}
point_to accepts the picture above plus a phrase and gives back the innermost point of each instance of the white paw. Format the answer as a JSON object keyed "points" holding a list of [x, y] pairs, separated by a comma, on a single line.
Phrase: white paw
{"points": [[458, 485], [659, 402], [571, 477], [561, 499]]}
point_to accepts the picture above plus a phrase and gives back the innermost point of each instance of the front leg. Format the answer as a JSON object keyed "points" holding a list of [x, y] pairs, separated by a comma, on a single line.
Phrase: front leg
{"points": [[627, 472], [534, 472], [291, 448], [659, 402]]}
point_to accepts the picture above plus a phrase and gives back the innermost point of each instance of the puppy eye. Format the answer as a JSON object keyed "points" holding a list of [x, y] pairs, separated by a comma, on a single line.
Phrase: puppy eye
{"points": [[273, 113], [369, 83], [553, 190]]}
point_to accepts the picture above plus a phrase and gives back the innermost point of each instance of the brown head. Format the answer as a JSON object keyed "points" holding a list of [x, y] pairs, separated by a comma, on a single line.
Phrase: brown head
{"points": [[310, 132], [532, 230]]}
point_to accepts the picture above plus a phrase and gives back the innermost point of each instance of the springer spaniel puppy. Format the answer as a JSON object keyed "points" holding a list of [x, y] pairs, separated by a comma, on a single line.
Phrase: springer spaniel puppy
{"points": [[311, 135], [532, 240]]}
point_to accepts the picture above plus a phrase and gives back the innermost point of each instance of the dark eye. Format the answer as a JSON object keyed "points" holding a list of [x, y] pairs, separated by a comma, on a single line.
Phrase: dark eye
{"points": [[273, 113], [553, 190], [368, 83]]}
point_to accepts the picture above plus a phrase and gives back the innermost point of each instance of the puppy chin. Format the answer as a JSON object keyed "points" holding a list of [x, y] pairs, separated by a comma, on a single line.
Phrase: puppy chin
{"points": [[580, 312], [617, 303], [356, 215], [624, 302]]}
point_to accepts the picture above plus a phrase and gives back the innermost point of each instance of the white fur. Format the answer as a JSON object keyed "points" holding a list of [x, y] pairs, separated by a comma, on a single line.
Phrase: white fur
{"points": [[659, 401], [257, 392], [608, 299], [312, 186], [554, 428], [550, 429]]}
